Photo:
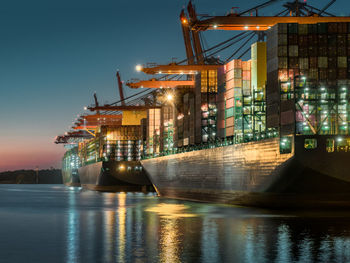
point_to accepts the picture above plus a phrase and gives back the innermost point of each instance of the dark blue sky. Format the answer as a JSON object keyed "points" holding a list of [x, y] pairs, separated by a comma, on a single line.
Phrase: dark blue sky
{"points": [[55, 54]]}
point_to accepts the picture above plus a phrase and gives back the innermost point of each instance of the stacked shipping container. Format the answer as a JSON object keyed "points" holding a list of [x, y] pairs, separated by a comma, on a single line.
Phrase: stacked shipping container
{"points": [[153, 131], [319, 53]]}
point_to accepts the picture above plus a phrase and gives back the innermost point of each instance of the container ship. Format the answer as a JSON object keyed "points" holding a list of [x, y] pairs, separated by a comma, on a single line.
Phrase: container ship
{"points": [[270, 131], [105, 149]]}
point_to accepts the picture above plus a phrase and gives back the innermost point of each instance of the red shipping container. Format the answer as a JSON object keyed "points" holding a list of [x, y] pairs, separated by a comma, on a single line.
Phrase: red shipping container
{"points": [[246, 75], [229, 103], [293, 72], [332, 27], [342, 27]]}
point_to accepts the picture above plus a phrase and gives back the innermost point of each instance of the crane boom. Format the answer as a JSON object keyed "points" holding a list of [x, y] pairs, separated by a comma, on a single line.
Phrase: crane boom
{"points": [[178, 69], [195, 35], [259, 23], [121, 108], [156, 84], [187, 38], [96, 102], [120, 86]]}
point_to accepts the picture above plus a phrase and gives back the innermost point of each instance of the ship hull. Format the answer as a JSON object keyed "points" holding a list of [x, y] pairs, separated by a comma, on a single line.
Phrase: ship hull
{"points": [[70, 177], [109, 177], [255, 174]]}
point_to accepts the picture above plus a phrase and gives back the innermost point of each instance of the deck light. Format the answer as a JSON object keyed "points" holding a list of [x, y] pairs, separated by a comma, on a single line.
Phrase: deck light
{"points": [[138, 67], [215, 26], [169, 97]]}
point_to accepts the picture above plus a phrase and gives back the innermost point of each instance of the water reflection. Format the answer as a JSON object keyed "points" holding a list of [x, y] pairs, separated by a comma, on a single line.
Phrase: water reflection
{"points": [[121, 226], [129, 227], [73, 228]]}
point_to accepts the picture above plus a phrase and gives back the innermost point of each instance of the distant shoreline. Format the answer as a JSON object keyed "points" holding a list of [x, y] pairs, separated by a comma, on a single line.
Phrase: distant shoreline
{"points": [[45, 176]]}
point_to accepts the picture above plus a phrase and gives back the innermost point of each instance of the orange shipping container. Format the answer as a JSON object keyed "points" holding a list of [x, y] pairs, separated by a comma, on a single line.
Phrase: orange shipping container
{"points": [[234, 83], [235, 63], [246, 75], [229, 93], [229, 131], [234, 74], [229, 122], [246, 65]]}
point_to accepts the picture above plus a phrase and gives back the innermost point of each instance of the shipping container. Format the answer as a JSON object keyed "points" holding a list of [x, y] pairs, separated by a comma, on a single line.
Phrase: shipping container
{"points": [[322, 28], [293, 28], [293, 50], [322, 62]]}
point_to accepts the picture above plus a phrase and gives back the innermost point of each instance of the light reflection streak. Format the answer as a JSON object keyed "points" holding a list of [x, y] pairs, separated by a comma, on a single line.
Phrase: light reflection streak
{"points": [[209, 241], [169, 235], [121, 226], [73, 228], [283, 244], [169, 240], [109, 229]]}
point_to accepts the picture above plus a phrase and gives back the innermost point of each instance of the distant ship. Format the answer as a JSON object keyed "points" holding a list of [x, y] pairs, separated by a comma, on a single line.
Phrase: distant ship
{"points": [[111, 160], [70, 165]]}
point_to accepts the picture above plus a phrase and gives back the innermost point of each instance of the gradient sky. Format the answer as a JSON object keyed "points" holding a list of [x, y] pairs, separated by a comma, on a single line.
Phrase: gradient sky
{"points": [[55, 54]]}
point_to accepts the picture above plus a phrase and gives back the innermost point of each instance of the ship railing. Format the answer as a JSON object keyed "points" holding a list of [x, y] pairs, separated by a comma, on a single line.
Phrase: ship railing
{"points": [[217, 143]]}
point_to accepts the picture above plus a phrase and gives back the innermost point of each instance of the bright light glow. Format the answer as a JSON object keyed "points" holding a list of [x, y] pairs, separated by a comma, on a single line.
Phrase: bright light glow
{"points": [[169, 97], [138, 67], [339, 139], [215, 26], [246, 27], [121, 167], [85, 108], [257, 27]]}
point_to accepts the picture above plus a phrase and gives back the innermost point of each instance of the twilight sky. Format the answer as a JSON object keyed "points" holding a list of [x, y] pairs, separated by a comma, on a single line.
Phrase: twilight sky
{"points": [[55, 54]]}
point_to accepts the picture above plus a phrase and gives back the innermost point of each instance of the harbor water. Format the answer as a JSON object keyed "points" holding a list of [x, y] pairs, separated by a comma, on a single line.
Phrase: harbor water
{"points": [[54, 223]]}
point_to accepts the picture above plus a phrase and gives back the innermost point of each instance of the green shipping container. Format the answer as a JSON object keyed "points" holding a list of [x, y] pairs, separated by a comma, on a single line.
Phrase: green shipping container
{"points": [[322, 28], [293, 28], [229, 112]]}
